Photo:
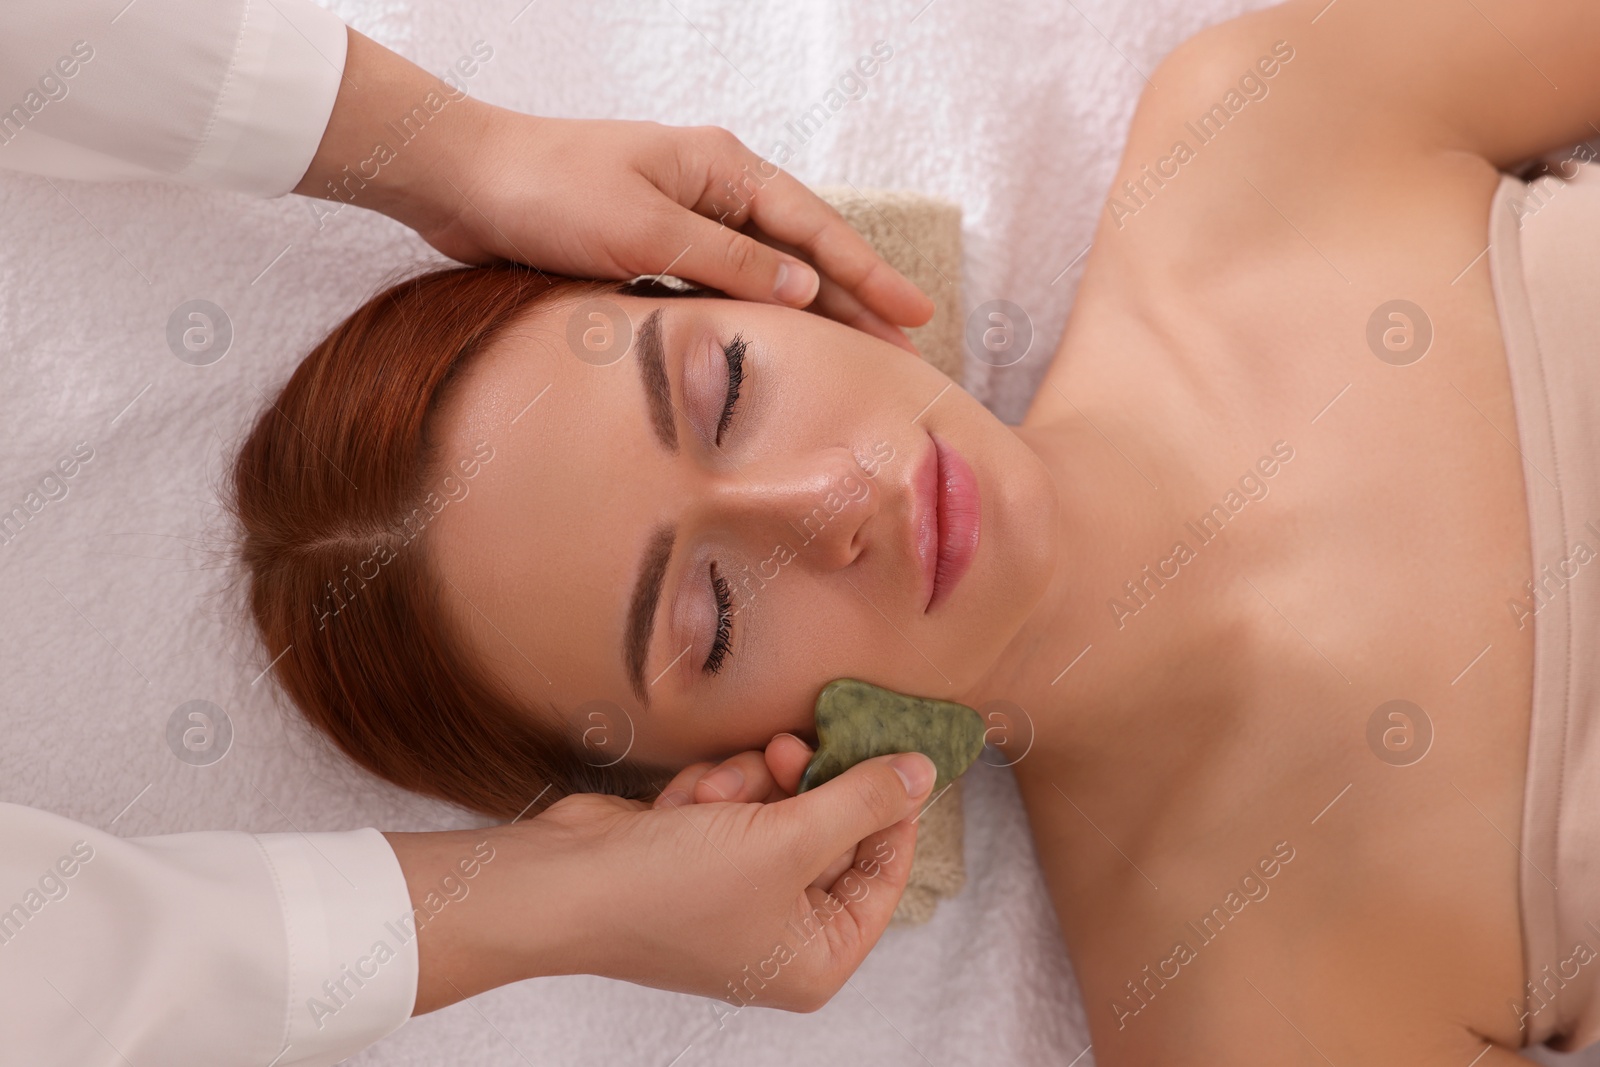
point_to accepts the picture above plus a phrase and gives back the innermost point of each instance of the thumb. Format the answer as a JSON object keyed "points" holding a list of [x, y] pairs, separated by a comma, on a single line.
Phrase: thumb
{"points": [[869, 797], [744, 268], [787, 757], [868, 893]]}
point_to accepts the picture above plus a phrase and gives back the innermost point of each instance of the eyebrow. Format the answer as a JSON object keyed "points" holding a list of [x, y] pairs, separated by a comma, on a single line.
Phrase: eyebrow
{"points": [[642, 608], [653, 375]]}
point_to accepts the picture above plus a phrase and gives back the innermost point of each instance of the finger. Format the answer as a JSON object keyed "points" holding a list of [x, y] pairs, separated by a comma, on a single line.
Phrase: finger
{"points": [[837, 304], [723, 258], [789, 752], [835, 301], [861, 901], [830, 874], [787, 757], [679, 791], [883, 863], [885, 855], [784, 208], [740, 778], [869, 797]]}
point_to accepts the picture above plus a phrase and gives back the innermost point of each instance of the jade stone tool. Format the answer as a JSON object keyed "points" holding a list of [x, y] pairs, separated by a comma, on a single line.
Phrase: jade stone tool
{"points": [[856, 721]]}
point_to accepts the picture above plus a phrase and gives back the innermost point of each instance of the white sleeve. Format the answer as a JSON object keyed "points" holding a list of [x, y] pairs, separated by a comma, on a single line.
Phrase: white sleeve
{"points": [[227, 94], [215, 949]]}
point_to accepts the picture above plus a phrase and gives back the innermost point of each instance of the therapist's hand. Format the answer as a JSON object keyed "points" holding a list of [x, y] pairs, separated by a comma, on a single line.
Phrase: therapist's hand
{"points": [[716, 898], [601, 199], [764, 776]]}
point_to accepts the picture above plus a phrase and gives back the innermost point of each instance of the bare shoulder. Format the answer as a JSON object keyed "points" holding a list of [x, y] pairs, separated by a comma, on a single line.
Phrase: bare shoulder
{"points": [[1267, 130], [1350, 114], [1277, 183]]}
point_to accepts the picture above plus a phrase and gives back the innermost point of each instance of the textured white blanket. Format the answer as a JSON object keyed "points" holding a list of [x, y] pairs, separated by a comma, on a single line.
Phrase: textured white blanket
{"points": [[116, 604]]}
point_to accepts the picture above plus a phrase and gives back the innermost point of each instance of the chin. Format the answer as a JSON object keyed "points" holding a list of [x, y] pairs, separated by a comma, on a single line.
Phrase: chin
{"points": [[1018, 548]]}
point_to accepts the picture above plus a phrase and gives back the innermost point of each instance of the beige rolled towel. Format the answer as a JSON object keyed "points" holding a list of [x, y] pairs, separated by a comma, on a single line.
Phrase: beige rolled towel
{"points": [[938, 868], [920, 236]]}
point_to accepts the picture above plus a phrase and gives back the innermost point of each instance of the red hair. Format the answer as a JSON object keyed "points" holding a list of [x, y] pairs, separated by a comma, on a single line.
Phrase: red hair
{"points": [[329, 478]]}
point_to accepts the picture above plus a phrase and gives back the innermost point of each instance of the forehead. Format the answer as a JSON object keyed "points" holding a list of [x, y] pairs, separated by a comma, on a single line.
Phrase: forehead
{"points": [[538, 547]]}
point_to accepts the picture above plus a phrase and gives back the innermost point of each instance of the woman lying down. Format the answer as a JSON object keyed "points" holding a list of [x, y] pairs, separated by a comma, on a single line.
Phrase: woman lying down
{"points": [[1287, 567]]}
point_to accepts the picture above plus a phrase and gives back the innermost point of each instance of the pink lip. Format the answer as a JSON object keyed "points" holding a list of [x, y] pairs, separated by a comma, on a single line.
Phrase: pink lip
{"points": [[944, 520]]}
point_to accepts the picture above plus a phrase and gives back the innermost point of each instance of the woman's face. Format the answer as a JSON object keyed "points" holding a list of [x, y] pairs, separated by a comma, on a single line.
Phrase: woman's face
{"points": [[676, 567]]}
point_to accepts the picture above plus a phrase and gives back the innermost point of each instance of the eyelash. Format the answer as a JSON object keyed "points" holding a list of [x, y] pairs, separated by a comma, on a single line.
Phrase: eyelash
{"points": [[734, 351], [720, 643]]}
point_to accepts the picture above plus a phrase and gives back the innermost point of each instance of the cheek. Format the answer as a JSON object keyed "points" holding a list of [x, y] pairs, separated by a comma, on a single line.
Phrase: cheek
{"points": [[812, 631], [797, 633]]}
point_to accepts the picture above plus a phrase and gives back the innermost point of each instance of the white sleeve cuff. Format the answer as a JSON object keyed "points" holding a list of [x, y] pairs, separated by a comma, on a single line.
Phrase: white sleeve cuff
{"points": [[299, 947], [226, 94], [275, 102], [352, 953]]}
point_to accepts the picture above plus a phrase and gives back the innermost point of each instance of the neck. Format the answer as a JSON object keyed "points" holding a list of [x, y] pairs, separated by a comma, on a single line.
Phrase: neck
{"points": [[1124, 633]]}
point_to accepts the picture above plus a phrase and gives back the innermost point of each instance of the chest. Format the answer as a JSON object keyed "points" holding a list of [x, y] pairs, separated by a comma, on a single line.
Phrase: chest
{"points": [[1349, 845]]}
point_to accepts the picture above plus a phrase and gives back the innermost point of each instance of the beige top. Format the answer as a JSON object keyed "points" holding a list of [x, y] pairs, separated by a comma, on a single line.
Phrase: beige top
{"points": [[1544, 255]]}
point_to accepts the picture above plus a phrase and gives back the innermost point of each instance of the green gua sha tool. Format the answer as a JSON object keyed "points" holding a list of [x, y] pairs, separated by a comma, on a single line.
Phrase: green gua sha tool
{"points": [[856, 721]]}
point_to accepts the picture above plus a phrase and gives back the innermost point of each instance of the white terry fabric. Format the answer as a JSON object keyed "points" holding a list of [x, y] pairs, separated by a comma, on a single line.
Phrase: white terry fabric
{"points": [[228, 94], [108, 945], [200, 948], [119, 610]]}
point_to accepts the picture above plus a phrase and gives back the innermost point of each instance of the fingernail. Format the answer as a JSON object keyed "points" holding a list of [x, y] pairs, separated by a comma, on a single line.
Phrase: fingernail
{"points": [[724, 781], [796, 285], [674, 798], [916, 771]]}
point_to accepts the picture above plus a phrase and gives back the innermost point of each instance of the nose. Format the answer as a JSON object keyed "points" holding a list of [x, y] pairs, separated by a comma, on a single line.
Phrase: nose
{"points": [[819, 503]]}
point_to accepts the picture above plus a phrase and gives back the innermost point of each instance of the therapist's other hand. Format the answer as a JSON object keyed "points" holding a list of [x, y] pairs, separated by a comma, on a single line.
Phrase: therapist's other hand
{"points": [[614, 199], [716, 899], [736, 905], [753, 776], [601, 199]]}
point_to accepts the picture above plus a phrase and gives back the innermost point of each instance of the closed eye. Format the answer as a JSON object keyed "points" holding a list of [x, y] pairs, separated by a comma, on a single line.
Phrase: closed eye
{"points": [[721, 642], [734, 351]]}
